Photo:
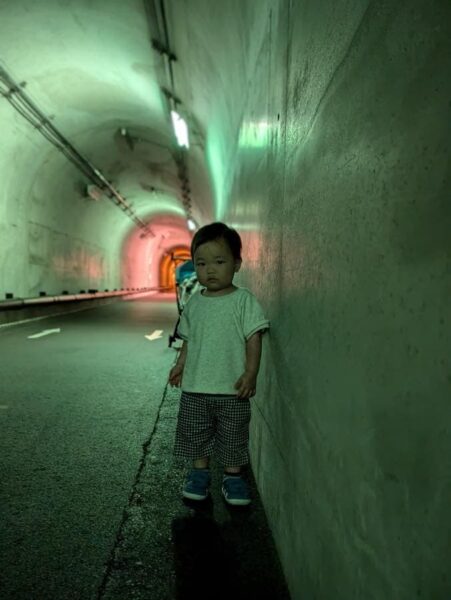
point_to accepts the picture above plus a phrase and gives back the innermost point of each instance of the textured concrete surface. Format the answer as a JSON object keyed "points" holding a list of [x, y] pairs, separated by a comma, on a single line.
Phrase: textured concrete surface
{"points": [[90, 495], [320, 130], [330, 135]]}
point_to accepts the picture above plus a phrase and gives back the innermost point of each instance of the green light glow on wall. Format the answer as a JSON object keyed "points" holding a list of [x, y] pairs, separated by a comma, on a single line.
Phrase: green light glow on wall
{"points": [[254, 134], [244, 226], [215, 161], [222, 157]]}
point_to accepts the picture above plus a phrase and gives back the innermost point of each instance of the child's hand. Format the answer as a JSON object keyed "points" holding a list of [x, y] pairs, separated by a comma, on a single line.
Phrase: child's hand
{"points": [[175, 375], [246, 385]]}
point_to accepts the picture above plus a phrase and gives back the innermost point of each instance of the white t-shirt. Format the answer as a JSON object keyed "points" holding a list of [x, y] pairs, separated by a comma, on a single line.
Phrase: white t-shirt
{"points": [[216, 329]]}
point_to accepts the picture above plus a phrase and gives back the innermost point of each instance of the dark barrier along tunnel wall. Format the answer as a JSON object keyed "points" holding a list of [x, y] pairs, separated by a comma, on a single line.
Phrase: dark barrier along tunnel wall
{"points": [[323, 129]]}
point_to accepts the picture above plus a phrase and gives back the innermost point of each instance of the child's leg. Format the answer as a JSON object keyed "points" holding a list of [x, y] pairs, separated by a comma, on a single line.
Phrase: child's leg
{"points": [[233, 439], [232, 470], [233, 417], [194, 437], [201, 463]]}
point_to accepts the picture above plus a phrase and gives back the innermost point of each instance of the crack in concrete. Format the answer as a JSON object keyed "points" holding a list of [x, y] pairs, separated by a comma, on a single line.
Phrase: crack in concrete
{"points": [[132, 500]]}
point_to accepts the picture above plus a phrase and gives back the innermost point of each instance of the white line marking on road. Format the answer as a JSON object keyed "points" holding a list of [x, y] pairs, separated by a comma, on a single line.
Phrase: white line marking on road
{"points": [[156, 335], [45, 332]]}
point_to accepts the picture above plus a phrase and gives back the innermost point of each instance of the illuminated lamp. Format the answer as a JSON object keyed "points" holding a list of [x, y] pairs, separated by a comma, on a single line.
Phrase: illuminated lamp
{"points": [[180, 129]]}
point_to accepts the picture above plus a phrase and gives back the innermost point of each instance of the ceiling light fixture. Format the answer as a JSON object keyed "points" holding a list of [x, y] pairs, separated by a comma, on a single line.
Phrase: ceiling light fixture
{"points": [[180, 129]]}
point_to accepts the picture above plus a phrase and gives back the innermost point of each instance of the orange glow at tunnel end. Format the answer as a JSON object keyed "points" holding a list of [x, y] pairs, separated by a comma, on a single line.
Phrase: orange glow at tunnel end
{"points": [[169, 261]]}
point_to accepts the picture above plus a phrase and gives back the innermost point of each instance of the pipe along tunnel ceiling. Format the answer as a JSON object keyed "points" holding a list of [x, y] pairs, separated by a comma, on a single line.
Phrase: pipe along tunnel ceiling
{"points": [[96, 191]]}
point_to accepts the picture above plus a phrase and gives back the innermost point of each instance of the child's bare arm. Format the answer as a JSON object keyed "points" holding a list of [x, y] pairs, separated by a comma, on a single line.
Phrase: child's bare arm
{"points": [[176, 373], [182, 356], [253, 353]]}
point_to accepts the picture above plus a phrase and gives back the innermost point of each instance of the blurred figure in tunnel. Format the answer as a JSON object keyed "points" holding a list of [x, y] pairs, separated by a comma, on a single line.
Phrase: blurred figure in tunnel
{"points": [[188, 283], [221, 328]]}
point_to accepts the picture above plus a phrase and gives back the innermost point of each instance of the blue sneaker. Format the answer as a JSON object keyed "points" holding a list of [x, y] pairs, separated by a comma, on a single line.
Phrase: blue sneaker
{"points": [[235, 491], [196, 485]]}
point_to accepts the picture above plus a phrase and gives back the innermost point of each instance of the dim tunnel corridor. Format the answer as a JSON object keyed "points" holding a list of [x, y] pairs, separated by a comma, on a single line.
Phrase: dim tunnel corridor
{"points": [[91, 496], [320, 131]]}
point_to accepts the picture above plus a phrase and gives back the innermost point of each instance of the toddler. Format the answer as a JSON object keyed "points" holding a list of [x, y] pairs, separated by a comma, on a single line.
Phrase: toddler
{"points": [[221, 327]]}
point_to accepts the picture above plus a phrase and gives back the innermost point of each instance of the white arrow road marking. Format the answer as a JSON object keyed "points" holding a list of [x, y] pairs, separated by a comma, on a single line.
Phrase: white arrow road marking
{"points": [[155, 335], [45, 332]]}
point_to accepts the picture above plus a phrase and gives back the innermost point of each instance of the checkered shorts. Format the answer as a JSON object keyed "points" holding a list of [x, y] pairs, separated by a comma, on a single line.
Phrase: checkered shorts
{"points": [[210, 423]]}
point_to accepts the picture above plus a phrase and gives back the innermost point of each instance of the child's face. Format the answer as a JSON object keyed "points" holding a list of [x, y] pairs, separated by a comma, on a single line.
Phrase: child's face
{"points": [[215, 265]]}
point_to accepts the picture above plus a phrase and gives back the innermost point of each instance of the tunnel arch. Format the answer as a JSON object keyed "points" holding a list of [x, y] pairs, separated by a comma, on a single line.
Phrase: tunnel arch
{"points": [[56, 236], [146, 260], [169, 262]]}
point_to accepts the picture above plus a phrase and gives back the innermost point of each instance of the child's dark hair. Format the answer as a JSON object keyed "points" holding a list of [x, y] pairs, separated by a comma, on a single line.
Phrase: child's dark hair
{"points": [[212, 232]]}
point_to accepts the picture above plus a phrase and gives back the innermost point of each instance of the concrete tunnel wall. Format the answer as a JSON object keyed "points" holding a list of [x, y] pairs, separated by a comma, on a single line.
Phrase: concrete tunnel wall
{"points": [[53, 236], [326, 137], [332, 132]]}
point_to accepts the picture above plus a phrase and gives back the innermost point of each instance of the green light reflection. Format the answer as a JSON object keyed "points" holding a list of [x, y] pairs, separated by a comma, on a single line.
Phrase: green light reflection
{"points": [[254, 134], [215, 162]]}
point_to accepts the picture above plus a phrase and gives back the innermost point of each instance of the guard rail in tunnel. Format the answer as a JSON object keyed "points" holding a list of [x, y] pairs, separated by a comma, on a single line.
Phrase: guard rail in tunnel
{"points": [[14, 310]]}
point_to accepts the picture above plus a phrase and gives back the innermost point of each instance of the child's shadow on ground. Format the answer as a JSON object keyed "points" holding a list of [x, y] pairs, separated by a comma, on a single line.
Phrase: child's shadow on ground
{"points": [[205, 562]]}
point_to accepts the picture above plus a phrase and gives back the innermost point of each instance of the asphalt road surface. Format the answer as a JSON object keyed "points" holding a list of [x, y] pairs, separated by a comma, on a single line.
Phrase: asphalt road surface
{"points": [[90, 502]]}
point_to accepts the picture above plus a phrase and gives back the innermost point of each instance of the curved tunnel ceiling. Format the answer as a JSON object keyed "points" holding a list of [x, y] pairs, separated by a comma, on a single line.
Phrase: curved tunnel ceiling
{"points": [[90, 67]]}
